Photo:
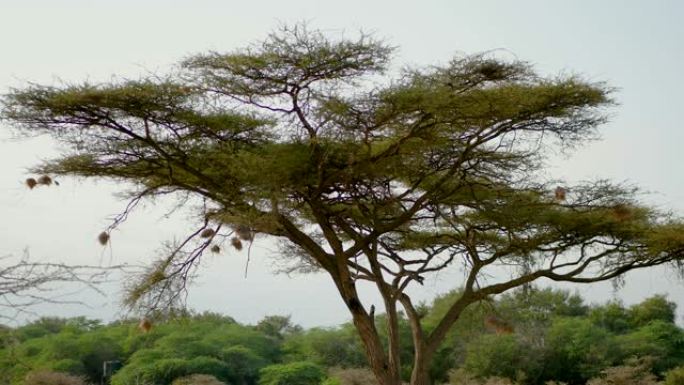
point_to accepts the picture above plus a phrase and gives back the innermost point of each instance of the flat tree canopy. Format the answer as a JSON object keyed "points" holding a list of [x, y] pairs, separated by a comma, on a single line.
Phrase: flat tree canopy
{"points": [[300, 138]]}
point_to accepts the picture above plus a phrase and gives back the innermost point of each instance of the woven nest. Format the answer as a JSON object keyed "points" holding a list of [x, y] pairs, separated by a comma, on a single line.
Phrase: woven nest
{"points": [[31, 183], [244, 232], [237, 243], [560, 193], [145, 325], [103, 238], [622, 212], [45, 180], [207, 233], [497, 325]]}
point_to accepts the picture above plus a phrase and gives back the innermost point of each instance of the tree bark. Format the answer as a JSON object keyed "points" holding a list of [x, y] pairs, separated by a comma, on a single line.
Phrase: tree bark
{"points": [[393, 340], [421, 355], [385, 373], [420, 376]]}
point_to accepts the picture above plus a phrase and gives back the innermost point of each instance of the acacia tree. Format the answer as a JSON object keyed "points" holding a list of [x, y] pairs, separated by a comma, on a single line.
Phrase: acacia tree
{"points": [[300, 138]]}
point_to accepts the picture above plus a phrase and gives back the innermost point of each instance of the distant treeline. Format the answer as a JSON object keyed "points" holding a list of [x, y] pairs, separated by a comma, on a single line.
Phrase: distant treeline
{"points": [[530, 336]]}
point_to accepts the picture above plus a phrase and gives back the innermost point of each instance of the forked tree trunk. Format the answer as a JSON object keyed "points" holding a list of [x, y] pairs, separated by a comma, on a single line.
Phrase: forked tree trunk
{"points": [[378, 359], [375, 354], [381, 361]]}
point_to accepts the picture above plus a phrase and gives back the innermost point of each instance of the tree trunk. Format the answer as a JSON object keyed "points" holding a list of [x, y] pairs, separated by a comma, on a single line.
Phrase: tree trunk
{"points": [[420, 376], [385, 373], [421, 362], [375, 353], [393, 341]]}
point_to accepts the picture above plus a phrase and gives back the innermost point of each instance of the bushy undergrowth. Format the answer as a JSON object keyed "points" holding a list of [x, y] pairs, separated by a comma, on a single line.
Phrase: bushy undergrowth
{"points": [[550, 335], [45, 377]]}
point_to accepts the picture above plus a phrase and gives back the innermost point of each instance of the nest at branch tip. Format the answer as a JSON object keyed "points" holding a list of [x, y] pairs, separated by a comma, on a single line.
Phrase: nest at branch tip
{"points": [[31, 183], [560, 193], [215, 249], [207, 233], [103, 238], [244, 233], [145, 325], [622, 212], [237, 243], [497, 325], [45, 180]]}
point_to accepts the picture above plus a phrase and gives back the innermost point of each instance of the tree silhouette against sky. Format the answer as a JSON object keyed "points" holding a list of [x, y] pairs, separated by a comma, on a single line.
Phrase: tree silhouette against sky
{"points": [[366, 178]]}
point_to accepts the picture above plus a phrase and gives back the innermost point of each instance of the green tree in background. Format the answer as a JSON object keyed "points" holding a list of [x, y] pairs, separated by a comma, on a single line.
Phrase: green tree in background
{"points": [[656, 308], [300, 373], [566, 344], [277, 326], [612, 316], [373, 181]]}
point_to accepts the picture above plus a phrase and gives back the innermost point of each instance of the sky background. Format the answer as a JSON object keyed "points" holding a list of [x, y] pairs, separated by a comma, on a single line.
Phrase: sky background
{"points": [[634, 46]]}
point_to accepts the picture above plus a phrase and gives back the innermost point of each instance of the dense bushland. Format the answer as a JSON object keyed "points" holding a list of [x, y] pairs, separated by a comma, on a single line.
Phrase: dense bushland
{"points": [[532, 336]]}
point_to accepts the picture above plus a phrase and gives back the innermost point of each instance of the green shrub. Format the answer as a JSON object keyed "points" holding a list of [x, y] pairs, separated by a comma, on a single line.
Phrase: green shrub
{"points": [[299, 373], [164, 371], [69, 366], [197, 379], [675, 376]]}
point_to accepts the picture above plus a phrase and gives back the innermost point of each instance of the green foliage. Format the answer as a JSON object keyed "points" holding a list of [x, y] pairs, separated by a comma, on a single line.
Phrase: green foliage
{"points": [[660, 340], [538, 306], [388, 182], [69, 365], [499, 356], [40, 327], [197, 379], [164, 371], [94, 349], [556, 337], [244, 365], [675, 376], [206, 345], [611, 316], [656, 308], [569, 342], [338, 347], [276, 326], [529, 312], [579, 350], [300, 373]]}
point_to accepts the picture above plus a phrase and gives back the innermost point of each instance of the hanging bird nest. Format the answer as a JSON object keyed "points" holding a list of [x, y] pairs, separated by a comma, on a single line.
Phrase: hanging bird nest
{"points": [[559, 193], [244, 233], [31, 183], [622, 212], [215, 249], [145, 325], [45, 180], [237, 243], [207, 233], [103, 238], [497, 325]]}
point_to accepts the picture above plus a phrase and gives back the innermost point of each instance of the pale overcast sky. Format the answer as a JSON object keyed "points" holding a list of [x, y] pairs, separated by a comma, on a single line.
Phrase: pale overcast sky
{"points": [[635, 46]]}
